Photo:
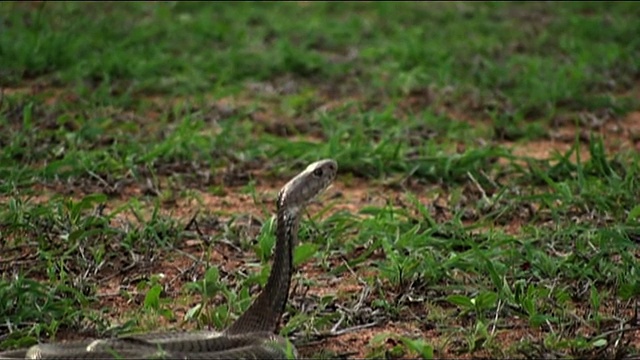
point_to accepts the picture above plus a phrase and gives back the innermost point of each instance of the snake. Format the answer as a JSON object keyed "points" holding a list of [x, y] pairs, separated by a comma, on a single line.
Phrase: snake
{"points": [[253, 335]]}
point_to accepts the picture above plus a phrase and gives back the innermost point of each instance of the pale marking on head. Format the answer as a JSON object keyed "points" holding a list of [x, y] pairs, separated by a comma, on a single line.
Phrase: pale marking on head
{"points": [[94, 344], [315, 178]]}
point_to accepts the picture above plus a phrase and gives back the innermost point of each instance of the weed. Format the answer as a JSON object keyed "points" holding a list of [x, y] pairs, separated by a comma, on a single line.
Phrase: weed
{"points": [[488, 185]]}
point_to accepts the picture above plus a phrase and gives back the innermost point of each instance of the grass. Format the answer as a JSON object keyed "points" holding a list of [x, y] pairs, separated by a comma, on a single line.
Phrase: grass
{"points": [[486, 206]]}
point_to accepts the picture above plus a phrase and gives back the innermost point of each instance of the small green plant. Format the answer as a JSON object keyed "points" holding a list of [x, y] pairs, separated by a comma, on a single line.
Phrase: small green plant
{"points": [[478, 304], [208, 288], [403, 347], [488, 176]]}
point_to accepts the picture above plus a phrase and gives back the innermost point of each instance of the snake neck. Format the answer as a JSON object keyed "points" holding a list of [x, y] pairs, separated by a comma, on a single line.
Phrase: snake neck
{"points": [[265, 312]]}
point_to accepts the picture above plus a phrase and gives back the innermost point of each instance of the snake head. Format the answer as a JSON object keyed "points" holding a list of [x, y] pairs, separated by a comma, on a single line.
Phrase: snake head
{"points": [[307, 185]]}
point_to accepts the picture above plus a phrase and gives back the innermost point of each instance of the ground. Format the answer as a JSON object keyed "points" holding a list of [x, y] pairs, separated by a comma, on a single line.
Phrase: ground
{"points": [[486, 204]]}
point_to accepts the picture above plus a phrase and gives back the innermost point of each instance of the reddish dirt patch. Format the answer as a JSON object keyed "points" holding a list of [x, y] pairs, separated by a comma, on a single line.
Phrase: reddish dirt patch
{"points": [[349, 195], [354, 344]]}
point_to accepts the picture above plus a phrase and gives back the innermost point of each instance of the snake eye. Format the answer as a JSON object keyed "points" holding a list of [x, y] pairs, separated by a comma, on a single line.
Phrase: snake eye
{"points": [[317, 172]]}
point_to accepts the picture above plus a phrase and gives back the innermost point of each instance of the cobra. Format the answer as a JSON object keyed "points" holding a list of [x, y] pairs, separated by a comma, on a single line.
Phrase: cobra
{"points": [[253, 334]]}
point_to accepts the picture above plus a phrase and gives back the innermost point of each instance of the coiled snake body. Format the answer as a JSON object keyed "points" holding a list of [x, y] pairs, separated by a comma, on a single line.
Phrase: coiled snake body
{"points": [[252, 335]]}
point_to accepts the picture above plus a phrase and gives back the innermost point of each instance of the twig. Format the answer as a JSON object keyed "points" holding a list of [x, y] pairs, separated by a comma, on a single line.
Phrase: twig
{"points": [[194, 222], [616, 331], [122, 271], [118, 294], [354, 328], [495, 320], [335, 327], [100, 179], [186, 254], [22, 258], [477, 184], [493, 183], [335, 333]]}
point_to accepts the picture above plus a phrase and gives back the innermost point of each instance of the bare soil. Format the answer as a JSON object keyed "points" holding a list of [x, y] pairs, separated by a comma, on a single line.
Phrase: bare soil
{"points": [[346, 194]]}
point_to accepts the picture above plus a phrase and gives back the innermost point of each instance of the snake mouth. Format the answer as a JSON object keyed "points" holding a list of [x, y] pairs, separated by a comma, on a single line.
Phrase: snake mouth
{"points": [[324, 191]]}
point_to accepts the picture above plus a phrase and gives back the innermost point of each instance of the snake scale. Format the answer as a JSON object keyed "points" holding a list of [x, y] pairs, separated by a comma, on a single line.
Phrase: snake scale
{"points": [[252, 335]]}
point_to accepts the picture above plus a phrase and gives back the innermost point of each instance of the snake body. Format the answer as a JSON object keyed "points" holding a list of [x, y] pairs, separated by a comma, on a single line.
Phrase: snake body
{"points": [[252, 335]]}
